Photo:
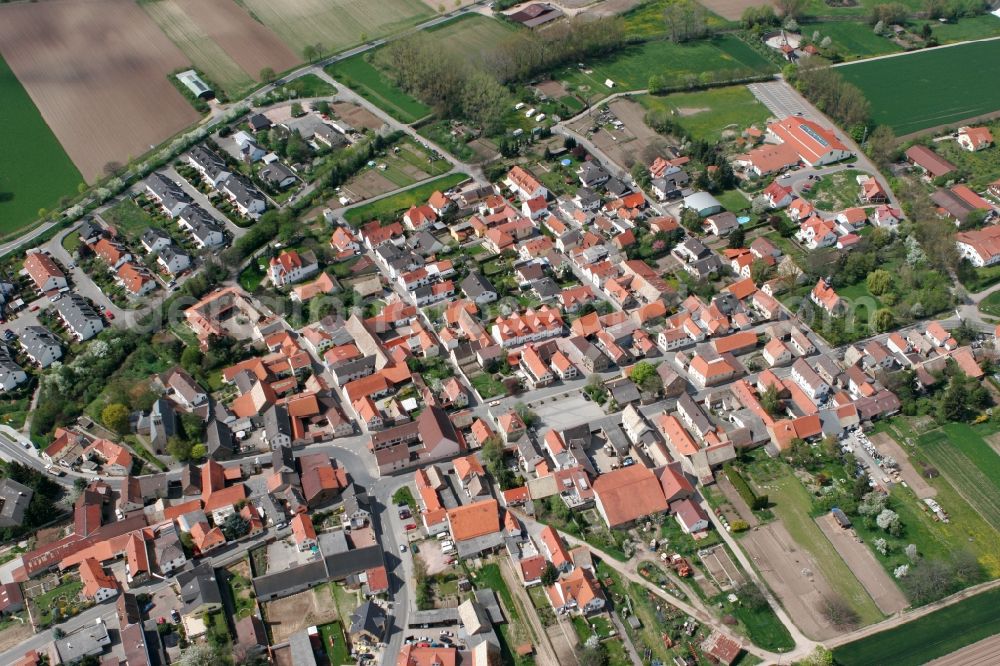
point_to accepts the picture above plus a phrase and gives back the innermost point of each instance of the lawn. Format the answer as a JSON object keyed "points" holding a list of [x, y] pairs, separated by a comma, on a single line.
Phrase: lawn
{"points": [[309, 85], [924, 639], [335, 643], [35, 170], [251, 277], [925, 89], [975, 27], [734, 201], [969, 463], [852, 39], [792, 506], [335, 24], [366, 80], [129, 218], [397, 203], [488, 386], [762, 626], [706, 114], [835, 191], [679, 64], [991, 304]]}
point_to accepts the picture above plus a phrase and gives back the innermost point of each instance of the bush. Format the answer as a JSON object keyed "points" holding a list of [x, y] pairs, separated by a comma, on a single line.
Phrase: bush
{"points": [[754, 501], [739, 525]]}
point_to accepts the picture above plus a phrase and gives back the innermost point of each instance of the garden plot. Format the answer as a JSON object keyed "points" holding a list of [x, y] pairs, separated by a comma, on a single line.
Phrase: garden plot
{"points": [[722, 568], [294, 613]]}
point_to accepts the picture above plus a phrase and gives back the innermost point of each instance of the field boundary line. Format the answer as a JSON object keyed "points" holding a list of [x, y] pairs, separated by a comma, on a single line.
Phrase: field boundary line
{"points": [[906, 53]]}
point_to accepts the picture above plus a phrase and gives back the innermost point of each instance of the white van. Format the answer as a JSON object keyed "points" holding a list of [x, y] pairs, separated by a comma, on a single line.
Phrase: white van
{"points": [[443, 535], [448, 549], [530, 112]]}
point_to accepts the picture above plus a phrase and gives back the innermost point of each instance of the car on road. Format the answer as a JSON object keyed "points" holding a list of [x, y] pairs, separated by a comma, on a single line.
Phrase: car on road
{"points": [[402, 547], [33, 308], [109, 314], [411, 526], [174, 615]]}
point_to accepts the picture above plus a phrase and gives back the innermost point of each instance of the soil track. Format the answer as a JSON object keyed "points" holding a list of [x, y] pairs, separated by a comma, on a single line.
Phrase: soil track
{"points": [[983, 653], [794, 577], [884, 592], [97, 71]]}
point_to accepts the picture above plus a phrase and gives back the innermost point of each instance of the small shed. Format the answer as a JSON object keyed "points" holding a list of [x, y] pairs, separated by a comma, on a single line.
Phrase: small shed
{"points": [[193, 82], [841, 517]]}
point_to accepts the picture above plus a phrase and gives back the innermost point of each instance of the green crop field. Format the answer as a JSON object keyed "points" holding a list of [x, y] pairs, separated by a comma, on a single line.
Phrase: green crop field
{"points": [[398, 203], [678, 63], [853, 39], [35, 171], [925, 89], [924, 639], [336, 24], [705, 114], [366, 80], [970, 464]]}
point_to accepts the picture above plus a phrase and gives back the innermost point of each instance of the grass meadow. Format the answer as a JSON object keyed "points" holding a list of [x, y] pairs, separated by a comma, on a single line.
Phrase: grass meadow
{"points": [[706, 114], [925, 89], [632, 68], [35, 171], [366, 80]]}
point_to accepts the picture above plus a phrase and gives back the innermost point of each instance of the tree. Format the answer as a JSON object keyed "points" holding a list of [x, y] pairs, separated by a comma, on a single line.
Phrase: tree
{"points": [[234, 527], [838, 612], [297, 110], [593, 655], [888, 520], [198, 451], [179, 449], [685, 19], [790, 8], [115, 417], [770, 400], [820, 656], [640, 174], [549, 575], [310, 52], [191, 359], [751, 596], [878, 281], [882, 145], [202, 654], [529, 417], [882, 320], [737, 238], [911, 552], [267, 75], [493, 460]]}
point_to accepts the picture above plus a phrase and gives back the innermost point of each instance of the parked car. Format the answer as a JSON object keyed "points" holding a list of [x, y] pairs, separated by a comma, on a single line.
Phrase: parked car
{"points": [[402, 547], [109, 314]]}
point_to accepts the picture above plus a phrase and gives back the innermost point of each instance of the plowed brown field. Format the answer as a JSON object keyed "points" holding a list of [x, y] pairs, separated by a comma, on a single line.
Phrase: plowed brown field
{"points": [[97, 71]]}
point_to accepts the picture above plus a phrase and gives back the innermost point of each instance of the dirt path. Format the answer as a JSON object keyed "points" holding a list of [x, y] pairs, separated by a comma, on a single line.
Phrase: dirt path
{"points": [[883, 590], [888, 446], [543, 645]]}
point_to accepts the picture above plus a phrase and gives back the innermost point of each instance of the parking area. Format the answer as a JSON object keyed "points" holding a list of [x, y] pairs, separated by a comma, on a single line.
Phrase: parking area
{"points": [[284, 554], [780, 99], [566, 410]]}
